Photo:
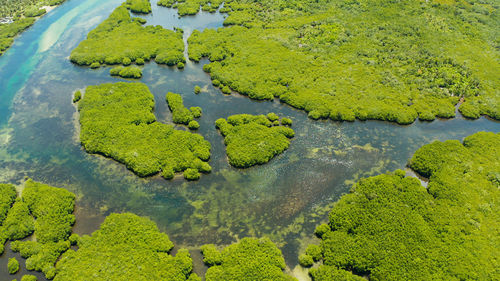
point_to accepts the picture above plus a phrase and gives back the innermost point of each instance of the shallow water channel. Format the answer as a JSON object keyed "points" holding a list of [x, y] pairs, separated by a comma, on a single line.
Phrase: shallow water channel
{"points": [[284, 199]]}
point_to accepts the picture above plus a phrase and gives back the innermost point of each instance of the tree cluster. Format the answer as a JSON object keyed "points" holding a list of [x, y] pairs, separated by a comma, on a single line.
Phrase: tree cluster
{"points": [[117, 121], [253, 140]]}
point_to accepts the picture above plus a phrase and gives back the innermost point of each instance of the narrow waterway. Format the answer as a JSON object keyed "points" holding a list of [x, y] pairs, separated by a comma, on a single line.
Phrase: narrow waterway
{"points": [[284, 199]]}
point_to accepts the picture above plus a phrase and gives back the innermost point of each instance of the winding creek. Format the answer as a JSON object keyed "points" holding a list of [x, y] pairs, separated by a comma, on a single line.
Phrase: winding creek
{"points": [[284, 199]]}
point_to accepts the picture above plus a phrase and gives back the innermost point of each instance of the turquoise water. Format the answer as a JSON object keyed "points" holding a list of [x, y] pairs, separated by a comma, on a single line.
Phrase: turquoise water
{"points": [[283, 199]]}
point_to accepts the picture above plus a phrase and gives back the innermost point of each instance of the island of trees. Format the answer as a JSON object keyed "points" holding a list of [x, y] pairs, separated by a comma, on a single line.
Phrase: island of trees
{"points": [[390, 227], [254, 140], [117, 121], [345, 60], [121, 39]]}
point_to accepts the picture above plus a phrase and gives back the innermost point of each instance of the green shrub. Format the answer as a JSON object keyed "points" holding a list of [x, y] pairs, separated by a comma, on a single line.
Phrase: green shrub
{"points": [[306, 260], [252, 140], [193, 125], [286, 121], [139, 61], [34, 12], [19, 222], [321, 230], [272, 117], [191, 174], [126, 61], [226, 90], [139, 6], [117, 121], [211, 256], [196, 111], [95, 65], [314, 251], [180, 114], [77, 96], [29, 277], [13, 266], [180, 65], [115, 71], [216, 83], [130, 72], [197, 89]]}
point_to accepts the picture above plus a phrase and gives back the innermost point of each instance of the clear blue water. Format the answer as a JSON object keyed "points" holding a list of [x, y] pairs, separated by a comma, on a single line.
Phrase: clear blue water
{"points": [[284, 199]]}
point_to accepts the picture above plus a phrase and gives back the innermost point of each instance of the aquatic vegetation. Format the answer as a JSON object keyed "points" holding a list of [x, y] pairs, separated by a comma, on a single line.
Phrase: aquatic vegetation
{"points": [[125, 243], [19, 223], [180, 114], [117, 121], [191, 7], [307, 54], [29, 277], [13, 266], [253, 140], [77, 96], [121, 39], [9, 31], [126, 72], [52, 209], [390, 227], [197, 89], [193, 125], [139, 6], [249, 259]]}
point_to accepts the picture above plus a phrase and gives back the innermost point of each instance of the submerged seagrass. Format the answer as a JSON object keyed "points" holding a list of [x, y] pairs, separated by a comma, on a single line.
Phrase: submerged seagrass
{"points": [[117, 121]]}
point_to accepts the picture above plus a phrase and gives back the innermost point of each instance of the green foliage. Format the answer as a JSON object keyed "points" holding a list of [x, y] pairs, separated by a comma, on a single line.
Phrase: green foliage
{"points": [[77, 96], [52, 208], [7, 197], [211, 256], [191, 174], [13, 266], [314, 251], [180, 65], [390, 227], [139, 6], [286, 121], [306, 260], [95, 65], [126, 72], [196, 111], [197, 89], [328, 273], [359, 59], [29, 277], [125, 243], [253, 140], [226, 90], [250, 259], [193, 125], [9, 31], [180, 114], [321, 230], [122, 40], [34, 12], [19, 223], [117, 121], [191, 7]]}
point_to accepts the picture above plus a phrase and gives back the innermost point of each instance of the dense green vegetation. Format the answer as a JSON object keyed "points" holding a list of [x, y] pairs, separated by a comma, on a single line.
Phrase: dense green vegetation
{"points": [[139, 6], [180, 114], [253, 140], [117, 121], [121, 39], [126, 72], [125, 245], [23, 13], [52, 209], [392, 228], [191, 7], [250, 259], [29, 278], [385, 60], [13, 266]]}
